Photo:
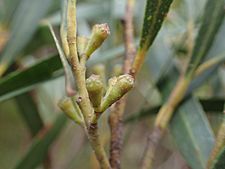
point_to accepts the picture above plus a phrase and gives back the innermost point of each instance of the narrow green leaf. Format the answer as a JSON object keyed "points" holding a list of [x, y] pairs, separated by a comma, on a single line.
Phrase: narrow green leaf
{"points": [[38, 150], [155, 12], [192, 133], [212, 20], [219, 161], [24, 24], [30, 113], [189, 127], [19, 82]]}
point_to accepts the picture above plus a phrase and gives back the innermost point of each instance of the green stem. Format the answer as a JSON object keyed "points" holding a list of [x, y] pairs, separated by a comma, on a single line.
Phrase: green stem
{"points": [[97, 146], [79, 71]]}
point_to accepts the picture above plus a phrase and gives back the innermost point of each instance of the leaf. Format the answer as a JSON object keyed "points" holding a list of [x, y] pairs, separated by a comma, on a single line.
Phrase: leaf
{"points": [[193, 145], [155, 12], [38, 150], [19, 82], [30, 113], [192, 133], [189, 122], [211, 105], [212, 20], [22, 81], [220, 162], [24, 24]]}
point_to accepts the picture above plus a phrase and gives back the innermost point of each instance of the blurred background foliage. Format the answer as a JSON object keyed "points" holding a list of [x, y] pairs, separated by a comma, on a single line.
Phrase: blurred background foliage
{"points": [[35, 134]]}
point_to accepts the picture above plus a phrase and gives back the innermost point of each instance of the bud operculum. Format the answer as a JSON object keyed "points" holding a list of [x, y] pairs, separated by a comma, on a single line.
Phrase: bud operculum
{"points": [[118, 86], [99, 33], [95, 90]]}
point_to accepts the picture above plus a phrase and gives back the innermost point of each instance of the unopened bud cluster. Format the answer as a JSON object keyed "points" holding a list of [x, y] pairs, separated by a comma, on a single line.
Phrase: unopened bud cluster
{"points": [[100, 96], [117, 88]]}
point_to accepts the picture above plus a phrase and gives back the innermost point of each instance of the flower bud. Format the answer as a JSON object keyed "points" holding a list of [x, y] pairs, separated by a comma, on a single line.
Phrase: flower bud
{"points": [[118, 86], [66, 105], [99, 33], [95, 90]]}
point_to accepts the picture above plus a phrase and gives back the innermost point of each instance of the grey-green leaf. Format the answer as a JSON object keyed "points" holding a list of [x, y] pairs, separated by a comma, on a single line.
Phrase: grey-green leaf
{"points": [[155, 12], [192, 133], [190, 127], [19, 82]]}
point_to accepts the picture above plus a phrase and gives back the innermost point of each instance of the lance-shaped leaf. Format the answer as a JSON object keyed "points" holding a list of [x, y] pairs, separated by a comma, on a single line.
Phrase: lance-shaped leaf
{"points": [[19, 82], [192, 133], [155, 12], [212, 20], [189, 126]]}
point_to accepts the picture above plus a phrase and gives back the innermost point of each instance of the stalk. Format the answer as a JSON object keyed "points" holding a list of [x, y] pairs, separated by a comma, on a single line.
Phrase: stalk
{"points": [[117, 112], [203, 43], [162, 121], [79, 70]]}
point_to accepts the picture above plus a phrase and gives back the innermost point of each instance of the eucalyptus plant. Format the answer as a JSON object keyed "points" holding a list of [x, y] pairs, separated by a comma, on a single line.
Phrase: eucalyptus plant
{"points": [[93, 100]]}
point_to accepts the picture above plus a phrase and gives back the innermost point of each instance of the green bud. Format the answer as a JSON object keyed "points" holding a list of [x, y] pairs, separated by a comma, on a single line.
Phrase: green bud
{"points": [[66, 105], [95, 90], [82, 44], [118, 86], [99, 33]]}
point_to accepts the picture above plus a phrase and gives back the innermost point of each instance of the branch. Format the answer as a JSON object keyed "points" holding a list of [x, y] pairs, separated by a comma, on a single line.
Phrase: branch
{"points": [[116, 115]]}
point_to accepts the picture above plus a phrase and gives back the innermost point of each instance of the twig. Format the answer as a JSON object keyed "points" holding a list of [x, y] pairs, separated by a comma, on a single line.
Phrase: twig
{"points": [[79, 71], [116, 115], [167, 110], [162, 120]]}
